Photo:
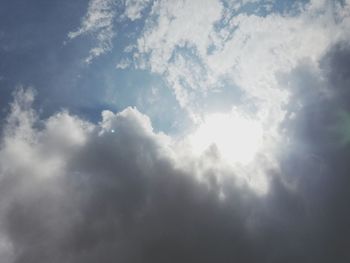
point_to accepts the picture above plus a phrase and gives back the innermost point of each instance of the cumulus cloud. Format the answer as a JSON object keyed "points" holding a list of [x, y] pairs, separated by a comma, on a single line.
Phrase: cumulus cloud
{"points": [[74, 191], [117, 190]]}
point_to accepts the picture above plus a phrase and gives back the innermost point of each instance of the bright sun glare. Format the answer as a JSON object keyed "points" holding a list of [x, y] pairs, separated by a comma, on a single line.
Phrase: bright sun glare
{"points": [[237, 138]]}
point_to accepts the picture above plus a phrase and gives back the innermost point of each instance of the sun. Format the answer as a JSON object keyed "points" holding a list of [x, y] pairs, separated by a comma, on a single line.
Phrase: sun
{"points": [[237, 138]]}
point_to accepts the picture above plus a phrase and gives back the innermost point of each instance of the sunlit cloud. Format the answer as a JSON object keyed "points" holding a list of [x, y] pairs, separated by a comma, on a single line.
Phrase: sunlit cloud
{"points": [[193, 131]]}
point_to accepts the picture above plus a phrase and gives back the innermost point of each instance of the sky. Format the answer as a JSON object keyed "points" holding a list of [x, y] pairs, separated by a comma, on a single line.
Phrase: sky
{"points": [[139, 131]]}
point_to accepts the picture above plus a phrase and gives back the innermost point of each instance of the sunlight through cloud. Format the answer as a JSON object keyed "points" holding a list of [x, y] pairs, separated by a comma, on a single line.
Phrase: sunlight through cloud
{"points": [[236, 137]]}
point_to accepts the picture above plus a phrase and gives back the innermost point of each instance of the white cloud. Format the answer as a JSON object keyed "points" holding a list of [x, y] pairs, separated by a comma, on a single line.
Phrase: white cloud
{"points": [[263, 47], [98, 21], [48, 151], [195, 45], [84, 192], [258, 48], [74, 191], [178, 23], [38, 152], [123, 64], [134, 8]]}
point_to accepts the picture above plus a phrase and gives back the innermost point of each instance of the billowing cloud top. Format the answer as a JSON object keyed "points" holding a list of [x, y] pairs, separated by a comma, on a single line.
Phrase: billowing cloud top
{"points": [[175, 131]]}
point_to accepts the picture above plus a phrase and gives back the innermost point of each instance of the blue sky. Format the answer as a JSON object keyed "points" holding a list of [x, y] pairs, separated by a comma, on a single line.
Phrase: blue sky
{"points": [[181, 130], [36, 51]]}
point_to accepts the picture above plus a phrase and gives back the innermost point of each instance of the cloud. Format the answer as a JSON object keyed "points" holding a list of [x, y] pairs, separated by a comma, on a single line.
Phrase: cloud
{"points": [[246, 49], [123, 64], [169, 28], [317, 146], [98, 21], [134, 8], [73, 191]]}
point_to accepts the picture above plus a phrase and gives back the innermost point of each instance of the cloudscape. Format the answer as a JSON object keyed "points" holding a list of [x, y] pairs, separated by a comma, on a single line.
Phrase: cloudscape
{"points": [[141, 131]]}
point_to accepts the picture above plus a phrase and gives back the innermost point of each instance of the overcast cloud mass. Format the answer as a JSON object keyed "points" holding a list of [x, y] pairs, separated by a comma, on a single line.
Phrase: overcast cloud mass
{"points": [[139, 131]]}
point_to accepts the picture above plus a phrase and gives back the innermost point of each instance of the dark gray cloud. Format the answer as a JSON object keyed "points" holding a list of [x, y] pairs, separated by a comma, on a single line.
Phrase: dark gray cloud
{"points": [[318, 154], [117, 196], [72, 191]]}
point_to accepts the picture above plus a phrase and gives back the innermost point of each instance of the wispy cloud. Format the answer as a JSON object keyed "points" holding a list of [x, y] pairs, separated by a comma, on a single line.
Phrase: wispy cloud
{"points": [[98, 22], [134, 8], [196, 46], [123, 64]]}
